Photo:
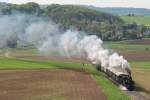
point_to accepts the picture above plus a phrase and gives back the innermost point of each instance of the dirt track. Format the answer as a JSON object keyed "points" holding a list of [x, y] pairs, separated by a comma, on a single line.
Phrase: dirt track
{"points": [[48, 85]]}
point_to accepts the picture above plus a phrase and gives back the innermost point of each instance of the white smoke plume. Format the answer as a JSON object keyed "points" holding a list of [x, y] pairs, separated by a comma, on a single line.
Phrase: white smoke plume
{"points": [[91, 47], [46, 36]]}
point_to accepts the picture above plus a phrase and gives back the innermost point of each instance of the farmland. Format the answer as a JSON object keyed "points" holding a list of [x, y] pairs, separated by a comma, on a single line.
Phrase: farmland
{"points": [[24, 60], [28, 63], [50, 84], [145, 20], [19, 65], [130, 50]]}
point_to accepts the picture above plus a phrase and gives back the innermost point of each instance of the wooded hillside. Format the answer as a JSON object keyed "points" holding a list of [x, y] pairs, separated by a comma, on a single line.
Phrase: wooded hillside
{"points": [[104, 25]]}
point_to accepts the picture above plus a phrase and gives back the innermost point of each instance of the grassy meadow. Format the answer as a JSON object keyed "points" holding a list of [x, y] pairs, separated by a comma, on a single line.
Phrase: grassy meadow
{"points": [[145, 20], [125, 45]]}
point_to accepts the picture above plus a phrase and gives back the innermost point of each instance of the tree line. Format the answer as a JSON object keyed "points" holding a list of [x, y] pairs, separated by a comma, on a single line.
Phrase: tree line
{"points": [[104, 25]]}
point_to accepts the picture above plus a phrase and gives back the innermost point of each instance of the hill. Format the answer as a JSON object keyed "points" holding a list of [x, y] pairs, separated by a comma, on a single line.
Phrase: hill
{"points": [[83, 19], [105, 25], [71, 16]]}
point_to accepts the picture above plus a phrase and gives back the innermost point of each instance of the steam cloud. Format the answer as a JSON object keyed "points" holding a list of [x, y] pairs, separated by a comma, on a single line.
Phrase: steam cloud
{"points": [[46, 36]]}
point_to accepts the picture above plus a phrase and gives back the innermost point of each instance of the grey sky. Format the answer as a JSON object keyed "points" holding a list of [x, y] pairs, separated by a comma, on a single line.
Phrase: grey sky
{"points": [[98, 3]]}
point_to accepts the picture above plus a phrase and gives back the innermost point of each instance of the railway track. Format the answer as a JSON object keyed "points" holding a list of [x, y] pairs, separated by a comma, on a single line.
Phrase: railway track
{"points": [[136, 95]]}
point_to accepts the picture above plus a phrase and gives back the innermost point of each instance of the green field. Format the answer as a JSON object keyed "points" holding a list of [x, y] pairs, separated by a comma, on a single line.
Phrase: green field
{"points": [[126, 46], [145, 20], [141, 65], [112, 91]]}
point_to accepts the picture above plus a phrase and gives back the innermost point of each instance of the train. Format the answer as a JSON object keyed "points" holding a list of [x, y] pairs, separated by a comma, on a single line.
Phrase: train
{"points": [[119, 75]]}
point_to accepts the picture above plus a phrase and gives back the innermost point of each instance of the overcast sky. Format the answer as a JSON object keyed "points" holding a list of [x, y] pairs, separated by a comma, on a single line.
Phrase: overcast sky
{"points": [[98, 3]]}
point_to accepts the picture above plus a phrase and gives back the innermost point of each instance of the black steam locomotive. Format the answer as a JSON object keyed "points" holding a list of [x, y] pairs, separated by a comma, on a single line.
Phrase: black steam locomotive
{"points": [[119, 75]]}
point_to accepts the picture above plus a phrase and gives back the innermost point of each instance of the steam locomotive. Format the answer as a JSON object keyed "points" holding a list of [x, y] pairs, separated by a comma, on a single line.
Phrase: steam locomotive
{"points": [[119, 75]]}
